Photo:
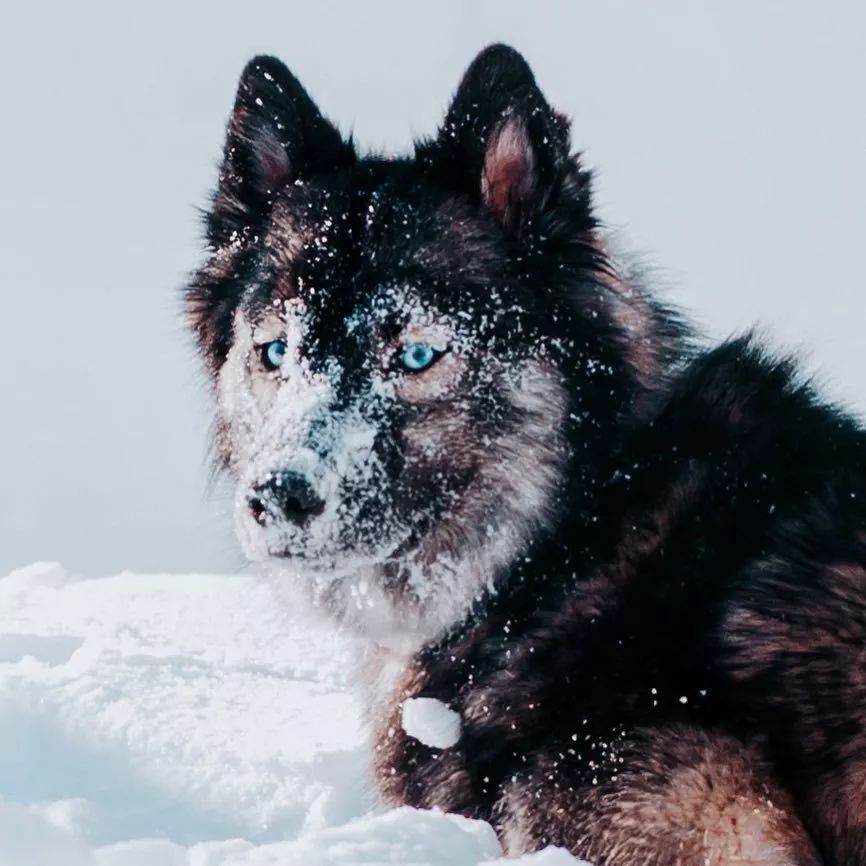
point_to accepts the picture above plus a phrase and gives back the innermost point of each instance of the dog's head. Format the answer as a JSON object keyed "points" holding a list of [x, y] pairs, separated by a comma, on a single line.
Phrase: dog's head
{"points": [[416, 361]]}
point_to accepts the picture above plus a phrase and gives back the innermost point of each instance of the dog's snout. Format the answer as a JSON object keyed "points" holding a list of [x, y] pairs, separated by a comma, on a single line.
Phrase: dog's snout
{"points": [[285, 496]]}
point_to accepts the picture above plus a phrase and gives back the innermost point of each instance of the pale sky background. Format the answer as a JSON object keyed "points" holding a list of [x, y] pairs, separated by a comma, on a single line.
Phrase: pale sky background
{"points": [[729, 138]]}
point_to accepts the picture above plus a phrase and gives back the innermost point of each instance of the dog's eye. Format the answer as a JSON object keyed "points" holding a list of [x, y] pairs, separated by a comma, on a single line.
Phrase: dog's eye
{"points": [[273, 354], [416, 357]]}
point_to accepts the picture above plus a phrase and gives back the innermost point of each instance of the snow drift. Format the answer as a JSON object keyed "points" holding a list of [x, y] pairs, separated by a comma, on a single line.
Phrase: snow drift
{"points": [[189, 720]]}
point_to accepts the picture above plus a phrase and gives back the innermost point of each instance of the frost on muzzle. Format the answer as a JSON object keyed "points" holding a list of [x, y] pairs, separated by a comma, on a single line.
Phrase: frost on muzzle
{"points": [[310, 481]]}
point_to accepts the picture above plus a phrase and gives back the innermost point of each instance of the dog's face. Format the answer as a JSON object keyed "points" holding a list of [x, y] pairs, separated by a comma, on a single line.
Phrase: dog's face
{"points": [[410, 356]]}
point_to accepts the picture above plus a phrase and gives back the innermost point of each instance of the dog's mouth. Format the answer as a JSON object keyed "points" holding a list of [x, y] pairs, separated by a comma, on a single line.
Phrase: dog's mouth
{"points": [[318, 544], [327, 567]]}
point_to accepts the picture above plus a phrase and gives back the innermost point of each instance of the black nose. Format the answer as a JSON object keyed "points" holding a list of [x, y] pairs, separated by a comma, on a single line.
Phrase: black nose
{"points": [[285, 495]]}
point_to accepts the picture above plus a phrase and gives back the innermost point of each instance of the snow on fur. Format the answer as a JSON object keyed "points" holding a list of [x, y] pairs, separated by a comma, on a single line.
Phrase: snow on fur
{"points": [[188, 720]]}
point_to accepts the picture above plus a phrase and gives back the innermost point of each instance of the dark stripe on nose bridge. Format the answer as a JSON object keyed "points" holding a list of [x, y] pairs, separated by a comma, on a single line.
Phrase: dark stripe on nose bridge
{"points": [[321, 432]]}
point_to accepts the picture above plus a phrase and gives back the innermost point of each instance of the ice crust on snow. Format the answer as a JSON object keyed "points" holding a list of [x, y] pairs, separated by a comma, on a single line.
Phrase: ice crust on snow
{"points": [[189, 720], [431, 722]]}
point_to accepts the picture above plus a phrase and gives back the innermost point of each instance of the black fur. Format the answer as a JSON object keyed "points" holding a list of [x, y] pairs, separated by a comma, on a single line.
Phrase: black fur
{"points": [[702, 587]]}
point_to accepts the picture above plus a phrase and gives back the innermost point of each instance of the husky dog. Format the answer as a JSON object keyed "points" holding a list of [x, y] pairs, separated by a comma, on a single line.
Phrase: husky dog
{"points": [[632, 568]]}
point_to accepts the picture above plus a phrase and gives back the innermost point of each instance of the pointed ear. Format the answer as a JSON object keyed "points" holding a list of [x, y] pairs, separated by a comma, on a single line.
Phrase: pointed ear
{"points": [[275, 135], [501, 143]]}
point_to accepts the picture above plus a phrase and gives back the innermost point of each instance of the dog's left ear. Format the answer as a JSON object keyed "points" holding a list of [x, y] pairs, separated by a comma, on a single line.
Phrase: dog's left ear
{"points": [[501, 143]]}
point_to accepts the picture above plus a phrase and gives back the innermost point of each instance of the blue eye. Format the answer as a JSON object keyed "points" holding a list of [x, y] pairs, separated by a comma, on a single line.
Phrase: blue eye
{"points": [[416, 357], [273, 354]]}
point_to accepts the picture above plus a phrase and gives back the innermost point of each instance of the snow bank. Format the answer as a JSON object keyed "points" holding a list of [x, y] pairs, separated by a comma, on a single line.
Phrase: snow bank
{"points": [[187, 720]]}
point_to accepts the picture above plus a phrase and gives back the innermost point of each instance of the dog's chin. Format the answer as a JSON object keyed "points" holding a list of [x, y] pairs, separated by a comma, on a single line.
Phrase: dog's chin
{"points": [[347, 591], [325, 566], [351, 586], [312, 553]]}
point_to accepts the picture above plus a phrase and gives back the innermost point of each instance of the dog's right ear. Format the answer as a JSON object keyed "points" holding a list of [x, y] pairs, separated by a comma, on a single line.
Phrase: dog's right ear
{"points": [[507, 149], [276, 134]]}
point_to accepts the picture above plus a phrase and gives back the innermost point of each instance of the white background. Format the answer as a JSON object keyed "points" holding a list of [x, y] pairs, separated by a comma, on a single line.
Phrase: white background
{"points": [[730, 140]]}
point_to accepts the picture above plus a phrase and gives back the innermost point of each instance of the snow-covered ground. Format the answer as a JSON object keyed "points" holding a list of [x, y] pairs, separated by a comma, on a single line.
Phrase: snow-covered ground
{"points": [[189, 720]]}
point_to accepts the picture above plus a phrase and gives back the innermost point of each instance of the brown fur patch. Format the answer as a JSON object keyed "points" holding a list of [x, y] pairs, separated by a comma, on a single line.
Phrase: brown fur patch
{"points": [[696, 798], [199, 310], [442, 436], [286, 240], [805, 661], [647, 346], [437, 382]]}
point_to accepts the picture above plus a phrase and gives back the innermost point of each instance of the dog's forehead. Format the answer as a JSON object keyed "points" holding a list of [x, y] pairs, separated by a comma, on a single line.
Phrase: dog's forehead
{"points": [[358, 232]]}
